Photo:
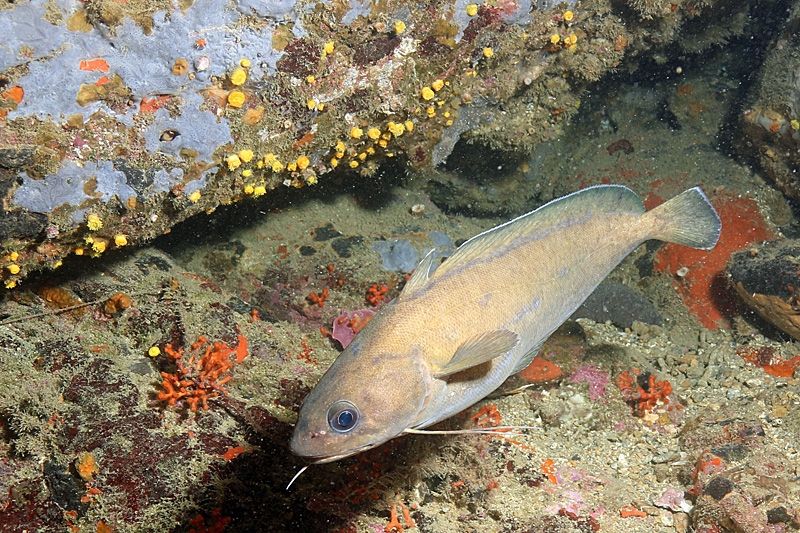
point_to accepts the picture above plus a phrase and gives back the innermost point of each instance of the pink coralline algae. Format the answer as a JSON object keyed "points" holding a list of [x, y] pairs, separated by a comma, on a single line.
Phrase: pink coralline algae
{"points": [[347, 325], [596, 378]]}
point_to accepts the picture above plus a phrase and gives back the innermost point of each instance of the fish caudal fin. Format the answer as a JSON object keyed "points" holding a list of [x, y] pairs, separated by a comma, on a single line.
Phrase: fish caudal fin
{"points": [[689, 219]]}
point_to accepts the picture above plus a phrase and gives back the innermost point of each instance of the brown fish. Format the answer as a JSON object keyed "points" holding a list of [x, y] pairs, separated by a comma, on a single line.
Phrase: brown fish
{"points": [[454, 334]]}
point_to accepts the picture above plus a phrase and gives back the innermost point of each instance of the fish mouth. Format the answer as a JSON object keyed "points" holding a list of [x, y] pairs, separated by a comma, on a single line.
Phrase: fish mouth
{"points": [[321, 459]]}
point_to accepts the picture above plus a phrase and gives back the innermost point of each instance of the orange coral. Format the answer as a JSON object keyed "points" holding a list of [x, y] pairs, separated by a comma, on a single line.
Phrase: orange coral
{"points": [[201, 377], [767, 358], [375, 295], [492, 415], [319, 299]]}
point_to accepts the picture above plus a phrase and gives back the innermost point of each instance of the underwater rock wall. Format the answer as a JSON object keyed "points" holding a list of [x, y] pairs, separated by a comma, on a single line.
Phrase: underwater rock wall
{"points": [[119, 120]]}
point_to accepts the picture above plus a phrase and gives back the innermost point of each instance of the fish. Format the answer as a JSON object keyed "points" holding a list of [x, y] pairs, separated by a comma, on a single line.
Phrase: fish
{"points": [[455, 333]]}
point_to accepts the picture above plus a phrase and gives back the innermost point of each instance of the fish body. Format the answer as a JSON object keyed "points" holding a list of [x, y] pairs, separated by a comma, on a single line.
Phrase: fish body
{"points": [[454, 334]]}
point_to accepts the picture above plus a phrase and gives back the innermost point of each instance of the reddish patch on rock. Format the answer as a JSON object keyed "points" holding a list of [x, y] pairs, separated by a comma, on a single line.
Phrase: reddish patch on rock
{"points": [[700, 274], [373, 51], [540, 370], [299, 59]]}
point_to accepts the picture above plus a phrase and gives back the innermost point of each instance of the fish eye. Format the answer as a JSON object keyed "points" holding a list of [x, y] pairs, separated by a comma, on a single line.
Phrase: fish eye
{"points": [[342, 416]]}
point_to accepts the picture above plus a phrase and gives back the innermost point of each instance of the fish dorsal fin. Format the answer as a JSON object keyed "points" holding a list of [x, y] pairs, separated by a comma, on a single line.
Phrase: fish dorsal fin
{"points": [[420, 276], [479, 349], [588, 203]]}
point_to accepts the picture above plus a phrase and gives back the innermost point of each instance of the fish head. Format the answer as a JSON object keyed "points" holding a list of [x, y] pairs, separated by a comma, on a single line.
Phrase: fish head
{"points": [[367, 397]]}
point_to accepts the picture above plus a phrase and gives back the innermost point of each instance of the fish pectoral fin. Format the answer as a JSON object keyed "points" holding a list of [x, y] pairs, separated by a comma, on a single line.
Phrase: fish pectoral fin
{"points": [[479, 349]]}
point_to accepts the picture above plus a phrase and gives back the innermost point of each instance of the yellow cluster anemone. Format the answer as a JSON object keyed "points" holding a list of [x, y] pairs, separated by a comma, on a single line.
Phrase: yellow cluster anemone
{"points": [[373, 133], [437, 85], [14, 269], [194, 197], [246, 155], [234, 162], [121, 240], [236, 98], [93, 222], [472, 10], [427, 93], [396, 128], [356, 132], [238, 77], [303, 162]]}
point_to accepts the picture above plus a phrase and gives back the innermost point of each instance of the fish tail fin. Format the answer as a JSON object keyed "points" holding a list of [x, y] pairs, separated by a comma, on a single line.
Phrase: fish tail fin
{"points": [[689, 219]]}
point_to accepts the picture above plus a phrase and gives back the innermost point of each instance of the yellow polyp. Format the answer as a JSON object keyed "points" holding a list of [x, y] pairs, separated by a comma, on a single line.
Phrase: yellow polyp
{"points": [[320, 107], [356, 132], [10, 284], [370, 150], [311, 104], [13, 256], [389, 154], [194, 197], [573, 38], [572, 47], [383, 143], [277, 166], [269, 158], [58, 263], [303, 162], [795, 124], [340, 147], [154, 351], [328, 49], [399, 27], [569, 15], [260, 163], [387, 136], [291, 167], [334, 162], [238, 77], [89, 240], [246, 155], [14, 269], [353, 164], [373, 133], [409, 125], [259, 191], [99, 247], [244, 62], [247, 173], [78, 251], [121, 240], [310, 79], [427, 93], [488, 52], [397, 129], [431, 112], [472, 10], [448, 123], [311, 180], [249, 189], [236, 99], [94, 222], [555, 38], [233, 162], [362, 156], [437, 85], [447, 114]]}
